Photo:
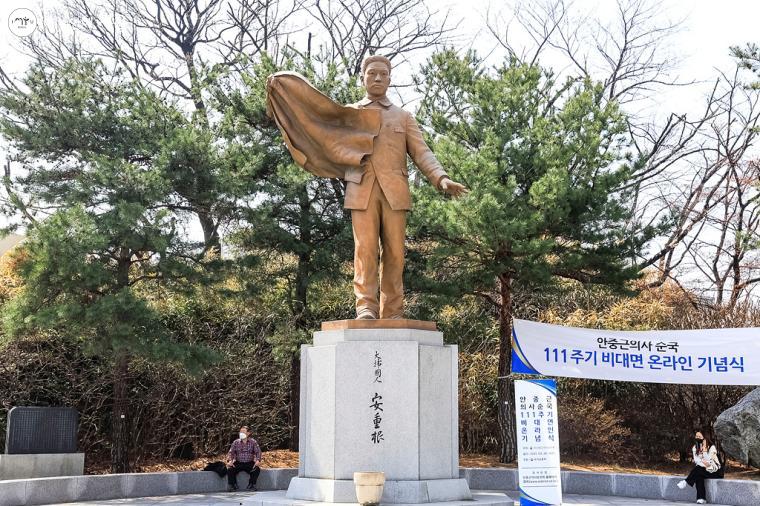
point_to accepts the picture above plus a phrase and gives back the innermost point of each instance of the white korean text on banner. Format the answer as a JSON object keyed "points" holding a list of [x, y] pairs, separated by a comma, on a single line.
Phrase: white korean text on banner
{"points": [[709, 356], [537, 442]]}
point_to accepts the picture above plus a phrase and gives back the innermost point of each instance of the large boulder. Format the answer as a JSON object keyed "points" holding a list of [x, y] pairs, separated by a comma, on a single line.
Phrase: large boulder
{"points": [[738, 429]]}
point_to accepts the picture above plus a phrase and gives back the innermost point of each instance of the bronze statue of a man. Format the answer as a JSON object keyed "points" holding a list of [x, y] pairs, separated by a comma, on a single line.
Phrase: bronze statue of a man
{"points": [[367, 148]]}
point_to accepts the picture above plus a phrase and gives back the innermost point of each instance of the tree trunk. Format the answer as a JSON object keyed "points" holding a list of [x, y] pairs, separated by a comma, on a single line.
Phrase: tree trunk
{"points": [[294, 398], [210, 229], [505, 393], [196, 91], [294, 382], [119, 421], [301, 314], [301, 322]]}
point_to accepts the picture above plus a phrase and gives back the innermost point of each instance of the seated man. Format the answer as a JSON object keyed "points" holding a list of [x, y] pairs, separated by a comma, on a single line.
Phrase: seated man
{"points": [[244, 455]]}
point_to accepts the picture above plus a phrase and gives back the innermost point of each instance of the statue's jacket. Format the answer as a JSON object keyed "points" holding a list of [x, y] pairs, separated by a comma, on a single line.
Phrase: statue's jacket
{"points": [[399, 135], [361, 143]]}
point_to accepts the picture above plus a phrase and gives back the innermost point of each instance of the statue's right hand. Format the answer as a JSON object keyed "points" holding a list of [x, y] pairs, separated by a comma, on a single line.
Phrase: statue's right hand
{"points": [[453, 188]]}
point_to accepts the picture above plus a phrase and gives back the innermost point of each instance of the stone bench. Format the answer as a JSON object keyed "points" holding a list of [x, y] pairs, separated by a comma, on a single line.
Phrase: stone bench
{"points": [[117, 486], [644, 486]]}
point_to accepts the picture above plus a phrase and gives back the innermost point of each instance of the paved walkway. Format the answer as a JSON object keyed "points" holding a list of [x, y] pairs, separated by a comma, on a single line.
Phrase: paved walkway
{"points": [[240, 498]]}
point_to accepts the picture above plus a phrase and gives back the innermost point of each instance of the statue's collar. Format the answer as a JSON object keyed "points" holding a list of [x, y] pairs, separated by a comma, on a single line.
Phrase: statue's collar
{"points": [[382, 101]]}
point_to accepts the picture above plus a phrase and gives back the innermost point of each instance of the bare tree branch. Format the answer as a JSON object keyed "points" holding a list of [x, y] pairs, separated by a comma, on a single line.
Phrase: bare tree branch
{"points": [[394, 28]]}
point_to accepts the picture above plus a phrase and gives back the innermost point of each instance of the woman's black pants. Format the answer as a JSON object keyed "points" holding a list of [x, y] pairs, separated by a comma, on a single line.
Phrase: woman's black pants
{"points": [[697, 476]]}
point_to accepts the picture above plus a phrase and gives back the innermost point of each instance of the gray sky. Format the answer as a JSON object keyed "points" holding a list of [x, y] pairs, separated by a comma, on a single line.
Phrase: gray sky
{"points": [[708, 29]]}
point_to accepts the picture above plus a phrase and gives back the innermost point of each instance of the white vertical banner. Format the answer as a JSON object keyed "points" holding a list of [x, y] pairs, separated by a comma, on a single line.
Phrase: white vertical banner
{"points": [[537, 442]]}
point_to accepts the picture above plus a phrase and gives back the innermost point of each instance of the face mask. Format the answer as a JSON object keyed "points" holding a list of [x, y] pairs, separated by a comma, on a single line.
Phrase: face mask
{"points": [[243, 435]]}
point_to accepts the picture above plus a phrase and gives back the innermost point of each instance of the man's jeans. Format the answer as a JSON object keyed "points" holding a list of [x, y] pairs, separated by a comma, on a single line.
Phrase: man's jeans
{"points": [[248, 467]]}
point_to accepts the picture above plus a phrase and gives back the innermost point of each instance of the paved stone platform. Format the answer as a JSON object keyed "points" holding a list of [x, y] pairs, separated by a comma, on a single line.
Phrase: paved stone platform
{"points": [[278, 497], [275, 498]]}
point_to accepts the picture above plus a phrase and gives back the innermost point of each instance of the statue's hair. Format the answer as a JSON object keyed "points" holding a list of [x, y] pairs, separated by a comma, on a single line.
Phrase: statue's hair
{"points": [[374, 58]]}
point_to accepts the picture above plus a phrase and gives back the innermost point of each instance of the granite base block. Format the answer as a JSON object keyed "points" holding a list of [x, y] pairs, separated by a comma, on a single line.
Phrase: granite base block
{"points": [[150, 484], [415, 388], [588, 483], [309, 489], [199, 482], [394, 492], [448, 490], [401, 492], [281, 478], [490, 479], [638, 485], [266, 481], [736, 492], [12, 492], [279, 498], [50, 490], [426, 337], [101, 487]]}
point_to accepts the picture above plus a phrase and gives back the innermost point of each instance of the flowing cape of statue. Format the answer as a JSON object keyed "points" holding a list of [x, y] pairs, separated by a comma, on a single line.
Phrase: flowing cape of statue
{"points": [[324, 137]]}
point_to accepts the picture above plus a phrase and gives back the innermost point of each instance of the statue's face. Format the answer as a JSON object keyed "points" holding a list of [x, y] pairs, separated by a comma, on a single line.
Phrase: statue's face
{"points": [[377, 78]]}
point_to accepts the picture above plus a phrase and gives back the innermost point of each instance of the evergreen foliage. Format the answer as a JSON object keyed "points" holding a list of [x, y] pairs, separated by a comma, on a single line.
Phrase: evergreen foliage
{"points": [[543, 161], [99, 150], [292, 220]]}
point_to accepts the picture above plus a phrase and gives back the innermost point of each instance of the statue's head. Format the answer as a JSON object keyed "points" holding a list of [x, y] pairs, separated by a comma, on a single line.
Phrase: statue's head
{"points": [[376, 75]]}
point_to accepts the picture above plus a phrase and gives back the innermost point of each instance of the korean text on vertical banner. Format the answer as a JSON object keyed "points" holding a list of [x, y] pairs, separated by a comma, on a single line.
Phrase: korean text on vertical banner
{"points": [[537, 442]]}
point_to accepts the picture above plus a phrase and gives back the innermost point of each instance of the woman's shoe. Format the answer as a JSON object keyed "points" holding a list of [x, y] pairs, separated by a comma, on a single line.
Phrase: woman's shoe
{"points": [[682, 484]]}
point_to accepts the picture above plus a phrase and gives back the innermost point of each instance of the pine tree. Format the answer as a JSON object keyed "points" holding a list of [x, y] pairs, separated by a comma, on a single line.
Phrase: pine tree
{"points": [[99, 149], [543, 161]]}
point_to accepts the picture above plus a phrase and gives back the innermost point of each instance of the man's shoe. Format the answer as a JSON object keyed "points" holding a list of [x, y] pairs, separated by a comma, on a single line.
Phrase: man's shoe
{"points": [[701, 501], [251, 486], [681, 484], [232, 488]]}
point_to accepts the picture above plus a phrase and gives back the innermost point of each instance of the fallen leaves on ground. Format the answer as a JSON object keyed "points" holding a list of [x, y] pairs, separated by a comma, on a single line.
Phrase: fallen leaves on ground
{"points": [[285, 458]]}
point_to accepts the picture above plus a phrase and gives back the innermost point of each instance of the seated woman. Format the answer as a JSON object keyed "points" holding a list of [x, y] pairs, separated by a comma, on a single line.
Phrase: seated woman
{"points": [[707, 466]]}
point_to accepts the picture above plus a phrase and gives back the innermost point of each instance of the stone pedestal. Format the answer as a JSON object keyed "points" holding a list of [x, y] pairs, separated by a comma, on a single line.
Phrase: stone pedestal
{"points": [[379, 395]]}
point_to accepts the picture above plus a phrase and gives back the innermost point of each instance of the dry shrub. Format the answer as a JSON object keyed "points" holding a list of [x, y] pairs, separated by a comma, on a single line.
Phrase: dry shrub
{"points": [[650, 309], [44, 371], [588, 428], [9, 280], [477, 402], [172, 413]]}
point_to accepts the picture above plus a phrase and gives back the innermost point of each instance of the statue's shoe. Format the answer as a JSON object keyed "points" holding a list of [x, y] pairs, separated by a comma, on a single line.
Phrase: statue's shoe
{"points": [[366, 314]]}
